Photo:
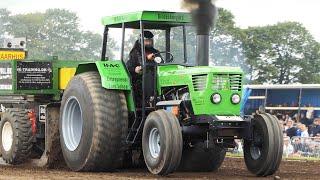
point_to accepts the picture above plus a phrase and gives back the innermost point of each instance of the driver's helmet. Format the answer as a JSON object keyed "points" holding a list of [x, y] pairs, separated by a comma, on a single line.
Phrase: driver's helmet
{"points": [[148, 36]]}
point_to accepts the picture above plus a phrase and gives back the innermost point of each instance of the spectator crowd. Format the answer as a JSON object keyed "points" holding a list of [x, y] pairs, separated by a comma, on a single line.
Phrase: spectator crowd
{"points": [[301, 133]]}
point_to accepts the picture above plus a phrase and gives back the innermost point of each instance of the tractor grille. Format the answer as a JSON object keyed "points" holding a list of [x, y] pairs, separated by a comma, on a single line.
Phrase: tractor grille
{"points": [[199, 82], [226, 82], [235, 82], [220, 82]]}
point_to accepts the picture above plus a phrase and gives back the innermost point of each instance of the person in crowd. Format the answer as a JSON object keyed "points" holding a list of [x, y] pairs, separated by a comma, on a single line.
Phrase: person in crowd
{"points": [[314, 129], [297, 145], [300, 146], [282, 126], [287, 147], [304, 130], [304, 120], [294, 119], [298, 128], [295, 116], [238, 148], [310, 111], [287, 118], [290, 129]]}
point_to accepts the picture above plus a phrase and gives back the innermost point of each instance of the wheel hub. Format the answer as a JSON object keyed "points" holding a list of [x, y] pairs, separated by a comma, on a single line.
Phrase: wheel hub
{"points": [[7, 136], [72, 123], [255, 148], [154, 143], [255, 152]]}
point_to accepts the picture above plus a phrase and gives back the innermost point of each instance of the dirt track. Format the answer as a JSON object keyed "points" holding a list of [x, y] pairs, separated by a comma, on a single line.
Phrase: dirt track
{"points": [[232, 168]]}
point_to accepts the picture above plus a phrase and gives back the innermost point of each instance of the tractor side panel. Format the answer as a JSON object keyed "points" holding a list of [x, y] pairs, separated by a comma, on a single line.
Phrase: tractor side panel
{"points": [[113, 75]]}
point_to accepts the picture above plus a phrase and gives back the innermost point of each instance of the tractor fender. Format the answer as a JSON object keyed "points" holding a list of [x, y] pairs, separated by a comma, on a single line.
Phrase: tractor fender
{"points": [[114, 75]]}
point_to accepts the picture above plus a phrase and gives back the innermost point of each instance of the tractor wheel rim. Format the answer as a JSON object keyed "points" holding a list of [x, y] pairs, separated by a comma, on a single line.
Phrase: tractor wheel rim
{"points": [[7, 136], [255, 148], [154, 143], [255, 152], [72, 123]]}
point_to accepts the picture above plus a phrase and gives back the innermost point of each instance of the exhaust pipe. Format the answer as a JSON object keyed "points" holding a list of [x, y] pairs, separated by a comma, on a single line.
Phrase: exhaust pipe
{"points": [[202, 50], [204, 13]]}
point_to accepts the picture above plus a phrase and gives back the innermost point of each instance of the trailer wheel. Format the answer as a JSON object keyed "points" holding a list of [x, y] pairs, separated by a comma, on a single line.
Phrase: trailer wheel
{"points": [[263, 154], [162, 142], [199, 158], [93, 124], [16, 136]]}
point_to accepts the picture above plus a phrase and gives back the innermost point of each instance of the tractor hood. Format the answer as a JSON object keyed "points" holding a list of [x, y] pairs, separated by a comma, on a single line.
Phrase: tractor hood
{"points": [[166, 70], [203, 82]]}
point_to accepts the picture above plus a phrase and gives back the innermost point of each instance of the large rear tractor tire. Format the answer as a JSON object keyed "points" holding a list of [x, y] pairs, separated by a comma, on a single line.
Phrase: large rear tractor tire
{"points": [[16, 136], [93, 125], [263, 153], [199, 158], [162, 142]]}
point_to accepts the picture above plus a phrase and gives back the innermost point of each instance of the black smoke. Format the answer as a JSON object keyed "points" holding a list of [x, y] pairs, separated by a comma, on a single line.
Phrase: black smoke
{"points": [[203, 14]]}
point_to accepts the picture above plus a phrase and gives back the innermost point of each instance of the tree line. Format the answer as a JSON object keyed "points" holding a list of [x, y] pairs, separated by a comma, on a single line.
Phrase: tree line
{"points": [[56, 32], [282, 53]]}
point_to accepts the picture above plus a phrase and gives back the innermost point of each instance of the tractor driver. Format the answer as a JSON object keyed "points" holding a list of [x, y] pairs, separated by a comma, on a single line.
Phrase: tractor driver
{"points": [[135, 61]]}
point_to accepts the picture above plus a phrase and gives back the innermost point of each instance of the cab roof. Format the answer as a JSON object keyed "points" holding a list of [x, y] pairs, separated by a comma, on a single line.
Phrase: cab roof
{"points": [[153, 19]]}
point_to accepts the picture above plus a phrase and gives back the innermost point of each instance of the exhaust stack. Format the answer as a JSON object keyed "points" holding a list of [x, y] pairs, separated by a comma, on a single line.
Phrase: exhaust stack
{"points": [[203, 16]]}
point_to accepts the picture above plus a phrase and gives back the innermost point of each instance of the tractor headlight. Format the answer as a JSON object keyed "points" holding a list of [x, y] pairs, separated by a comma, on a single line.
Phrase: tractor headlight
{"points": [[235, 99], [216, 98]]}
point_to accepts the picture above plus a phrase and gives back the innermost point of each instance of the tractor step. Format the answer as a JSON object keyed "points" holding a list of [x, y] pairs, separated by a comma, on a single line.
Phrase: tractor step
{"points": [[134, 131]]}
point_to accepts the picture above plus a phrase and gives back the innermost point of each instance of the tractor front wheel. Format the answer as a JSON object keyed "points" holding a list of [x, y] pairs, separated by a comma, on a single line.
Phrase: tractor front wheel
{"points": [[162, 142], [263, 153]]}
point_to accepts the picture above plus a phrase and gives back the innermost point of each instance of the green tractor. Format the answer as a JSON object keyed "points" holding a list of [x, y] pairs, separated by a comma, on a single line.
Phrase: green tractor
{"points": [[88, 111], [189, 117]]}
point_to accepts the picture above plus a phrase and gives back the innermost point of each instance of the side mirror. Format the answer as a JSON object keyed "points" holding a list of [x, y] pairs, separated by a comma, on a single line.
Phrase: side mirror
{"points": [[157, 59]]}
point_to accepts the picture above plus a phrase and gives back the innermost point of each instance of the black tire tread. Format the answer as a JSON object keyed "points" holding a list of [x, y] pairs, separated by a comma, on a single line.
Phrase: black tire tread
{"points": [[177, 141], [275, 149], [173, 148], [278, 139], [111, 122], [23, 132]]}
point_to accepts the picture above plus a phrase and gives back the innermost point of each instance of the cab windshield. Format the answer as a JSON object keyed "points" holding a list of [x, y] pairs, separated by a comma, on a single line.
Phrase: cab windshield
{"points": [[178, 40]]}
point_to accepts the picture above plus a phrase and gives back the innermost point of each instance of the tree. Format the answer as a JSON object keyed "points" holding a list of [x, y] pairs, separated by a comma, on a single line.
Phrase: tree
{"points": [[279, 53], [310, 72], [225, 47], [4, 20], [56, 33], [225, 44]]}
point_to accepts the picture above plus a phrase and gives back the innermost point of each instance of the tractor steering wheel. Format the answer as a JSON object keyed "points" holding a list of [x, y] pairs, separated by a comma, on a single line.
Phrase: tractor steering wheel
{"points": [[158, 59]]}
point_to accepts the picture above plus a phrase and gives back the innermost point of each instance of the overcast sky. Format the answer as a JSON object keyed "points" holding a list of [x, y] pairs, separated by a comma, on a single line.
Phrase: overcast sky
{"points": [[247, 12]]}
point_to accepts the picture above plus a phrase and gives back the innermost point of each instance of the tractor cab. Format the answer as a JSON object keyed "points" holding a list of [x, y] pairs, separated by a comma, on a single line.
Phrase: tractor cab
{"points": [[173, 38], [170, 29]]}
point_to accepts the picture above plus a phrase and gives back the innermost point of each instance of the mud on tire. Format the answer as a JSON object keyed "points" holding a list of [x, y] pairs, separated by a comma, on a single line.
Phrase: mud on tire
{"points": [[16, 124], [93, 124]]}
